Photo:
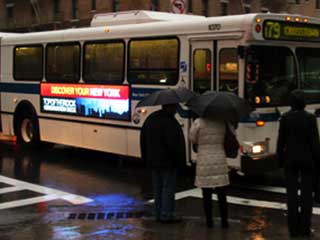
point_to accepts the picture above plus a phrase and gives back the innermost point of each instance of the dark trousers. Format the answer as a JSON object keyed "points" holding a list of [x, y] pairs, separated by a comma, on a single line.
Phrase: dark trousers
{"points": [[222, 200], [164, 186], [299, 209]]}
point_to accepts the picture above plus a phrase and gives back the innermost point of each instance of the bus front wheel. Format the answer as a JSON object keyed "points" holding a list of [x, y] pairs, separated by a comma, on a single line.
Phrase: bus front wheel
{"points": [[28, 130]]}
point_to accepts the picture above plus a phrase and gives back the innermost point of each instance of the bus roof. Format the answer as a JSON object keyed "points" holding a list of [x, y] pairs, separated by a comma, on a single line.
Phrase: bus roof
{"points": [[138, 16], [6, 34], [178, 26]]}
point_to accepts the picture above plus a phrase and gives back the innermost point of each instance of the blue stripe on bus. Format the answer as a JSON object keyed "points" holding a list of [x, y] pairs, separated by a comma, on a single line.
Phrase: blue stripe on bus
{"points": [[136, 94], [29, 88], [185, 113], [267, 117], [140, 93]]}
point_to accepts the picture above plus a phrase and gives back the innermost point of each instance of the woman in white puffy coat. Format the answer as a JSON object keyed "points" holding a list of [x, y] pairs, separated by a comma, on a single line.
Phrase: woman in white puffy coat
{"points": [[211, 165]]}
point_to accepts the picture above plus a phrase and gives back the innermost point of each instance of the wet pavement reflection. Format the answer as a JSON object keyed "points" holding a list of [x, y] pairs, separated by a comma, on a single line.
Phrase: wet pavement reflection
{"points": [[120, 206], [27, 169]]}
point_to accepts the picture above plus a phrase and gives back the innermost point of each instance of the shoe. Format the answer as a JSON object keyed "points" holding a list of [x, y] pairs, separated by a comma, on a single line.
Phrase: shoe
{"points": [[171, 220]]}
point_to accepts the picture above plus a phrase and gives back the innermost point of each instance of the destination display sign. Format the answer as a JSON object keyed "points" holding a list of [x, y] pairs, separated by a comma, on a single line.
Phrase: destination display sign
{"points": [[291, 31], [98, 101]]}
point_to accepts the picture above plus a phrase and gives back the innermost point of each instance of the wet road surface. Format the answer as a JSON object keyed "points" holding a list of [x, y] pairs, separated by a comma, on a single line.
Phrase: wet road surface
{"points": [[69, 193]]}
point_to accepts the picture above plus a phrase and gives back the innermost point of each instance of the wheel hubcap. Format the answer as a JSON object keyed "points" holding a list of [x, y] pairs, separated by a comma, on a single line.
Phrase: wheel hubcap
{"points": [[27, 130]]}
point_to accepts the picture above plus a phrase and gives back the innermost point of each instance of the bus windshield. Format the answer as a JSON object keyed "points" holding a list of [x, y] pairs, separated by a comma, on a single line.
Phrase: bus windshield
{"points": [[270, 75], [309, 63]]}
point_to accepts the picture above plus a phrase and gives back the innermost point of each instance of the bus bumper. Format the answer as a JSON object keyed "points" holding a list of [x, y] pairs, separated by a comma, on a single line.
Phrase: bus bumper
{"points": [[257, 165]]}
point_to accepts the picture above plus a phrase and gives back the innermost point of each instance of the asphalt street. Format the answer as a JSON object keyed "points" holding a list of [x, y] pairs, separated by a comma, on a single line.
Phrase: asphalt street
{"points": [[58, 192]]}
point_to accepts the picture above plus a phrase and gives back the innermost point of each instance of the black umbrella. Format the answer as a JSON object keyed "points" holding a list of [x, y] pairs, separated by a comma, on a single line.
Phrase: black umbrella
{"points": [[220, 105], [167, 96]]}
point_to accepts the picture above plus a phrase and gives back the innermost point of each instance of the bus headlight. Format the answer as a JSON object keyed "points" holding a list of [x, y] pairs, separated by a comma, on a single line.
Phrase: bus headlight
{"points": [[256, 148]]}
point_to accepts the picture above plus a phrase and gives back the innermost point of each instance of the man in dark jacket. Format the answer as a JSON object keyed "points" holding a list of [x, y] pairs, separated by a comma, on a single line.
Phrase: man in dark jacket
{"points": [[297, 148], [163, 149]]}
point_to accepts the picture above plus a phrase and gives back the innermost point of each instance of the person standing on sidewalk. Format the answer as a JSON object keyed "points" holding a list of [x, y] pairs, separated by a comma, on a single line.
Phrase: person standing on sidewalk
{"points": [[211, 165], [163, 149], [298, 150]]}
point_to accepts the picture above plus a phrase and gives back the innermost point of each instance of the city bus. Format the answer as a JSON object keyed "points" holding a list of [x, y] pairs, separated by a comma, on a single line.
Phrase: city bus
{"points": [[79, 87]]}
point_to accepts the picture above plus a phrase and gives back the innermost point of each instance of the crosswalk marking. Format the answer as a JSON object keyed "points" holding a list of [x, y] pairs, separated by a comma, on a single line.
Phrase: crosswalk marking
{"points": [[49, 194], [10, 189], [28, 201], [267, 188], [235, 200], [196, 192]]}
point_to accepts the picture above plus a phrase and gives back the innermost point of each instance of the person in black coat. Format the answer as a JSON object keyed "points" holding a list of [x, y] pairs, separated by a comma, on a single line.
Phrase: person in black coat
{"points": [[297, 149], [163, 150]]}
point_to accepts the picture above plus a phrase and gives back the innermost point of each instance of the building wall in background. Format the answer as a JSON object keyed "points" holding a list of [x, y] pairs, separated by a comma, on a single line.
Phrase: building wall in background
{"points": [[36, 15]]}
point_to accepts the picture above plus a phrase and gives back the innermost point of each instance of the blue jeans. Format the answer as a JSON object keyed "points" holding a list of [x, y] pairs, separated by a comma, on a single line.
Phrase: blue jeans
{"points": [[164, 187]]}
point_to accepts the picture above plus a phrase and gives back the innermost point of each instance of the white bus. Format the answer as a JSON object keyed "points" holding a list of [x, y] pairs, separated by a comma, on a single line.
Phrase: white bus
{"points": [[79, 87]]}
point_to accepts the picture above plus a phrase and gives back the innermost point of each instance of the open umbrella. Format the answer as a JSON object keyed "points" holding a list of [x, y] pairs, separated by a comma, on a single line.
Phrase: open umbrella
{"points": [[167, 96], [220, 105]]}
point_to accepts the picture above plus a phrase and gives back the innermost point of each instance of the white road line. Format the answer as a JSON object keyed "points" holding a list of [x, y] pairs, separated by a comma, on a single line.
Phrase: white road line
{"points": [[196, 192], [10, 189], [28, 201], [73, 198], [267, 188]]}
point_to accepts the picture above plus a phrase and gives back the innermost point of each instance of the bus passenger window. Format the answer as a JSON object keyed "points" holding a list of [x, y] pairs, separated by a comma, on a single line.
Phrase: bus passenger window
{"points": [[104, 62], [28, 63], [274, 78], [63, 62], [309, 62], [154, 61], [201, 70], [228, 70]]}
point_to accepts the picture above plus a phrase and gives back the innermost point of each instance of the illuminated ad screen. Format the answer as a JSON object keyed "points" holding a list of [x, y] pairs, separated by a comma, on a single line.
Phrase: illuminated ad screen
{"points": [[97, 101], [290, 31]]}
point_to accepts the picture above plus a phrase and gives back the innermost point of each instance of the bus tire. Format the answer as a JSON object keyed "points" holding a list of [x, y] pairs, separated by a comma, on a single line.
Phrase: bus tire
{"points": [[28, 129]]}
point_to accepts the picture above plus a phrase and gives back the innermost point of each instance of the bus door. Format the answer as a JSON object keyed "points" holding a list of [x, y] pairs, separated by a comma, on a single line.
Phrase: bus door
{"points": [[228, 61], [202, 56], [228, 67], [215, 66]]}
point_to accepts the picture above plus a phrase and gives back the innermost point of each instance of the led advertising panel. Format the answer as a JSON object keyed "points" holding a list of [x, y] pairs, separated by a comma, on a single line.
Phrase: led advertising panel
{"points": [[88, 100]]}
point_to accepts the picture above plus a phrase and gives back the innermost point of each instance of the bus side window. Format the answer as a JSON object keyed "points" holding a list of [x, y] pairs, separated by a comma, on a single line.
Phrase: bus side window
{"points": [[154, 61], [104, 62], [63, 62], [201, 70], [28, 63], [228, 70]]}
